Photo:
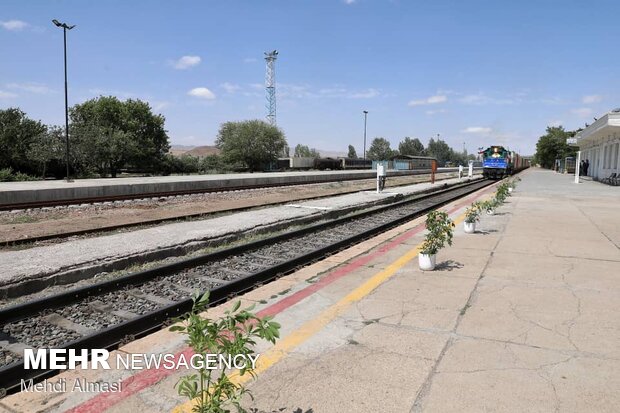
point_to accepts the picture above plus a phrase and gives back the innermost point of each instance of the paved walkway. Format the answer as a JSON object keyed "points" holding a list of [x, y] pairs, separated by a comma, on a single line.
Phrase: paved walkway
{"points": [[521, 316]]}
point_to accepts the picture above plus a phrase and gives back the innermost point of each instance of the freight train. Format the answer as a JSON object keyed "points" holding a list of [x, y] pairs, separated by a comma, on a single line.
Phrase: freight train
{"points": [[400, 162], [498, 162]]}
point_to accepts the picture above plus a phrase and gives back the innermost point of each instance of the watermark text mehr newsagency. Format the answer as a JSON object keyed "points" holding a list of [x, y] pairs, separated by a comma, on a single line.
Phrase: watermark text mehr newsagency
{"points": [[68, 359]]}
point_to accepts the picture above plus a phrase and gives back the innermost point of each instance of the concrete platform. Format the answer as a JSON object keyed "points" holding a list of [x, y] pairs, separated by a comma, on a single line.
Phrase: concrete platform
{"points": [[13, 193], [77, 259], [520, 316]]}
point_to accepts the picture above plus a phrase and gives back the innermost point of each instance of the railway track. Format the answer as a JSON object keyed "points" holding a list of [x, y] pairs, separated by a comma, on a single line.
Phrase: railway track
{"points": [[166, 194], [156, 221], [111, 313]]}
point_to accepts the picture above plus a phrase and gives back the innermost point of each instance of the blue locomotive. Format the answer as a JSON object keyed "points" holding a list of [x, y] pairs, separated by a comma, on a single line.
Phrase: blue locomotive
{"points": [[498, 162]]}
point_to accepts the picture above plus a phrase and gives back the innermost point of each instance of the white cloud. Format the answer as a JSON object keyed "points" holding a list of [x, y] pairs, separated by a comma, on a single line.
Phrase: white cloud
{"points": [[591, 99], [429, 101], [186, 62], [7, 95], [349, 1], [480, 130], [14, 25], [31, 87], [369, 93], [555, 100], [202, 92], [482, 99], [333, 91], [230, 87], [250, 60], [434, 112], [582, 112], [159, 106], [291, 90]]}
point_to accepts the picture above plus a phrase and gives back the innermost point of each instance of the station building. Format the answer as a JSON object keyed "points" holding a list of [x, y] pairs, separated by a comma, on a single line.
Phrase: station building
{"points": [[599, 143]]}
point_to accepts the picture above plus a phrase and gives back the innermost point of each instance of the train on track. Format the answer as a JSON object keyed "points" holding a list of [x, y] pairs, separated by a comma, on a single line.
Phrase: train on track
{"points": [[499, 162]]}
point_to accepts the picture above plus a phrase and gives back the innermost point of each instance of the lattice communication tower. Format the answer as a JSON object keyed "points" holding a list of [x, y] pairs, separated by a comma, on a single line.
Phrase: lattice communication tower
{"points": [[270, 85]]}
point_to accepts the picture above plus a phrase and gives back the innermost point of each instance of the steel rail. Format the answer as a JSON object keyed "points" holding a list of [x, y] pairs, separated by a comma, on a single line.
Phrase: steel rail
{"points": [[11, 375], [160, 194], [157, 221]]}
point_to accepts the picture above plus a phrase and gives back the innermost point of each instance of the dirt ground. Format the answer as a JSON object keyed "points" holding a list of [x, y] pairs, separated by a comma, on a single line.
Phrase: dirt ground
{"points": [[51, 221]]}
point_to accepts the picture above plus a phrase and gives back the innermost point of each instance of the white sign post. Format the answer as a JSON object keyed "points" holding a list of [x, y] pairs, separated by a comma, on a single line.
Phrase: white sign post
{"points": [[577, 165], [470, 171], [380, 177]]}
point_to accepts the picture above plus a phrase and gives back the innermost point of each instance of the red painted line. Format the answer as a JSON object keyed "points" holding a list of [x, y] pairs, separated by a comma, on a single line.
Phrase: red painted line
{"points": [[147, 378]]}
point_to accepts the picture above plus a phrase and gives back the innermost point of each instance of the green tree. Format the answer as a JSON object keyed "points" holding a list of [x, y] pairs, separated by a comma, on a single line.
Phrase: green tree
{"points": [[380, 150], [212, 164], [302, 151], [253, 143], [352, 153], [17, 134], [190, 164], [552, 146], [410, 146], [105, 149], [440, 150], [110, 134], [47, 147]]}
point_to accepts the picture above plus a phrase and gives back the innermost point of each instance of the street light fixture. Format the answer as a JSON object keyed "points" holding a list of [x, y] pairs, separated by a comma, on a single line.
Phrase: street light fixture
{"points": [[365, 119], [66, 27]]}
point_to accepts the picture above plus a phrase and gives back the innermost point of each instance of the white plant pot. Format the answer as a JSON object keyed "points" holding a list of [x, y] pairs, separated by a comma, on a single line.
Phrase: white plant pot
{"points": [[510, 189], [469, 227], [490, 211], [427, 262]]}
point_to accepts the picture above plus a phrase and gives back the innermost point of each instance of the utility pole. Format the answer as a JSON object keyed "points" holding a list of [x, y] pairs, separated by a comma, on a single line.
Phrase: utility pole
{"points": [[66, 27], [365, 119]]}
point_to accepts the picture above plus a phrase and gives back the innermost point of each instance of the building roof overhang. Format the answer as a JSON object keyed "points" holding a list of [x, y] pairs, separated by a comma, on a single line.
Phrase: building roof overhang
{"points": [[604, 126]]}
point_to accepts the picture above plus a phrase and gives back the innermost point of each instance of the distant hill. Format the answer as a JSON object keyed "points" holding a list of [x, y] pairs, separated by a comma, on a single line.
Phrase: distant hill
{"points": [[199, 151]]}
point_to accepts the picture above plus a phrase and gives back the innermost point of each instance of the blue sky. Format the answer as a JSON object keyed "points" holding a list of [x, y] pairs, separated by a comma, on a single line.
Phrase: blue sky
{"points": [[475, 72]]}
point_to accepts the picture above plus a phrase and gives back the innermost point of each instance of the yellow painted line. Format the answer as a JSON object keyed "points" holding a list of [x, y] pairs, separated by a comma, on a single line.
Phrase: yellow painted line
{"points": [[284, 346]]}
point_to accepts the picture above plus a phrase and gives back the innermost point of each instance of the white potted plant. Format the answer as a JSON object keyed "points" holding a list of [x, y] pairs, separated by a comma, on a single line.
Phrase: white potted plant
{"points": [[472, 215], [512, 184], [440, 229], [490, 205], [502, 192]]}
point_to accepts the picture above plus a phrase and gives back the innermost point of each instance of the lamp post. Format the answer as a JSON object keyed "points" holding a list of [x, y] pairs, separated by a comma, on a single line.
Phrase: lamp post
{"points": [[66, 27], [365, 119]]}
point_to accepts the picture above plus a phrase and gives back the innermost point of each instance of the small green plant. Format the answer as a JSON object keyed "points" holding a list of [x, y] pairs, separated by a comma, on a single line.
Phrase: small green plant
{"points": [[502, 192], [472, 214], [440, 230], [512, 183], [490, 205], [8, 175], [234, 334]]}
